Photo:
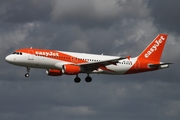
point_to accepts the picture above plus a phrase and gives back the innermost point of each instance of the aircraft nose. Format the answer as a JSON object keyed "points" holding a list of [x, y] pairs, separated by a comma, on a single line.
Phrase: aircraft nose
{"points": [[9, 58]]}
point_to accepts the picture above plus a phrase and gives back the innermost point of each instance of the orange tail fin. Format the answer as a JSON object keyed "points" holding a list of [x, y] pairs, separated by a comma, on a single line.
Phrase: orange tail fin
{"points": [[154, 50]]}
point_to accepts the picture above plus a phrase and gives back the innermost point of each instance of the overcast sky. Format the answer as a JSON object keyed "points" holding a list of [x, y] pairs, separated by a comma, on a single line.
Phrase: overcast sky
{"points": [[112, 27]]}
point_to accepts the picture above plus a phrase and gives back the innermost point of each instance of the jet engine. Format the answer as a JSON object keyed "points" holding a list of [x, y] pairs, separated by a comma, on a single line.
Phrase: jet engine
{"points": [[71, 69], [53, 72]]}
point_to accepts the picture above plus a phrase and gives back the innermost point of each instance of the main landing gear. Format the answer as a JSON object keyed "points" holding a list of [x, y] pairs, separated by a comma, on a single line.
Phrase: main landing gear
{"points": [[27, 74], [88, 79], [78, 80]]}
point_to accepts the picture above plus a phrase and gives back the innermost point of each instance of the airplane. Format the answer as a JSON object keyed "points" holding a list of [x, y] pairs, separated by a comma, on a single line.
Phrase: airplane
{"points": [[59, 63]]}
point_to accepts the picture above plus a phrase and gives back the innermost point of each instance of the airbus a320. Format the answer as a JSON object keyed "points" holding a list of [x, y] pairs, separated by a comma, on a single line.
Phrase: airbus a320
{"points": [[58, 63]]}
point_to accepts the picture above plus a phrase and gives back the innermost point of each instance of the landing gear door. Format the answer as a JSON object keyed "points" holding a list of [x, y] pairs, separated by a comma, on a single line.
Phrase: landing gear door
{"points": [[31, 55]]}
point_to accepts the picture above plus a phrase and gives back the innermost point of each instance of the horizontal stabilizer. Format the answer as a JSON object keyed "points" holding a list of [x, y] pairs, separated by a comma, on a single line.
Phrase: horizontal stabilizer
{"points": [[160, 66]]}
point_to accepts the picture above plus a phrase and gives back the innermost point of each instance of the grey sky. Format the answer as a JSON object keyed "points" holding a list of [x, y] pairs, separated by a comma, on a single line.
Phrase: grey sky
{"points": [[113, 27]]}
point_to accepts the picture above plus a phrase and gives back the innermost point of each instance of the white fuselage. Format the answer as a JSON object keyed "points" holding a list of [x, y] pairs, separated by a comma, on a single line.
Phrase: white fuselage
{"points": [[37, 61]]}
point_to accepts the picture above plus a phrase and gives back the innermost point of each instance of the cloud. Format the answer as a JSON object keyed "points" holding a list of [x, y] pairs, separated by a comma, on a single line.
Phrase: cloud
{"points": [[116, 27], [96, 13], [165, 14], [79, 45], [20, 11]]}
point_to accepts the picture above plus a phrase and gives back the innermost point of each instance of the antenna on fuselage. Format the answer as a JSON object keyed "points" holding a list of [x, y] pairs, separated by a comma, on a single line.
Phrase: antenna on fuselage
{"points": [[30, 47]]}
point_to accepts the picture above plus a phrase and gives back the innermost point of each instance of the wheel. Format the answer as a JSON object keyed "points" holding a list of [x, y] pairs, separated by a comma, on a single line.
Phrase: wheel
{"points": [[77, 80], [88, 79], [27, 75]]}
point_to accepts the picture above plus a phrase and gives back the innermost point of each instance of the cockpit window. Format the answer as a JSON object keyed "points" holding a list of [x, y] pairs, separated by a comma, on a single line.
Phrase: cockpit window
{"points": [[18, 53]]}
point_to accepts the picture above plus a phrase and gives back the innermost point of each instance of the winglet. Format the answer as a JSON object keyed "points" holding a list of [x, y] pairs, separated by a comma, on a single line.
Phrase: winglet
{"points": [[154, 50]]}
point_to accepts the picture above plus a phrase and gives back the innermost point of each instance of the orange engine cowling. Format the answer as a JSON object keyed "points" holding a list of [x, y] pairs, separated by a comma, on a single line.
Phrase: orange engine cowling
{"points": [[53, 72], [71, 69]]}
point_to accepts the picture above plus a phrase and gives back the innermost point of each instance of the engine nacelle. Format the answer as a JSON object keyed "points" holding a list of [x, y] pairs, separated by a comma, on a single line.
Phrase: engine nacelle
{"points": [[53, 72], [71, 69]]}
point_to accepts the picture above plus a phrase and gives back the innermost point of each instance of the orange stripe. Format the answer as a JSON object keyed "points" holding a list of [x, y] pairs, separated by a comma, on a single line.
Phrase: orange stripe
{"points": [[53, 54]]}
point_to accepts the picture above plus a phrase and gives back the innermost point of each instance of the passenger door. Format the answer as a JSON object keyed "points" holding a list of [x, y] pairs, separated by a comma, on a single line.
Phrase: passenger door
{"points": [[31, 55]]}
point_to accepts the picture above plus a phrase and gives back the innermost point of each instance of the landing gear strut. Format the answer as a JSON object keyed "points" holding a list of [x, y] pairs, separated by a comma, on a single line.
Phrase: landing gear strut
{"points": [[27, 74]]}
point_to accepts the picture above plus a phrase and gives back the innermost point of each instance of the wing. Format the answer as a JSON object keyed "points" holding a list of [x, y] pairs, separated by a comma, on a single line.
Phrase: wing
{"points": [[88, 67]]}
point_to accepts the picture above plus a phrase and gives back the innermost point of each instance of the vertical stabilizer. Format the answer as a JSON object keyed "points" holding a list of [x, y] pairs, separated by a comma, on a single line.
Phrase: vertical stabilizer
{"points": [[154, 50]]}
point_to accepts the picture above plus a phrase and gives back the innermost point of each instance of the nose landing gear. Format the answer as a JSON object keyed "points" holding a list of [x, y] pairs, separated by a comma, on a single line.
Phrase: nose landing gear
{"points": [[27, 74]]}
